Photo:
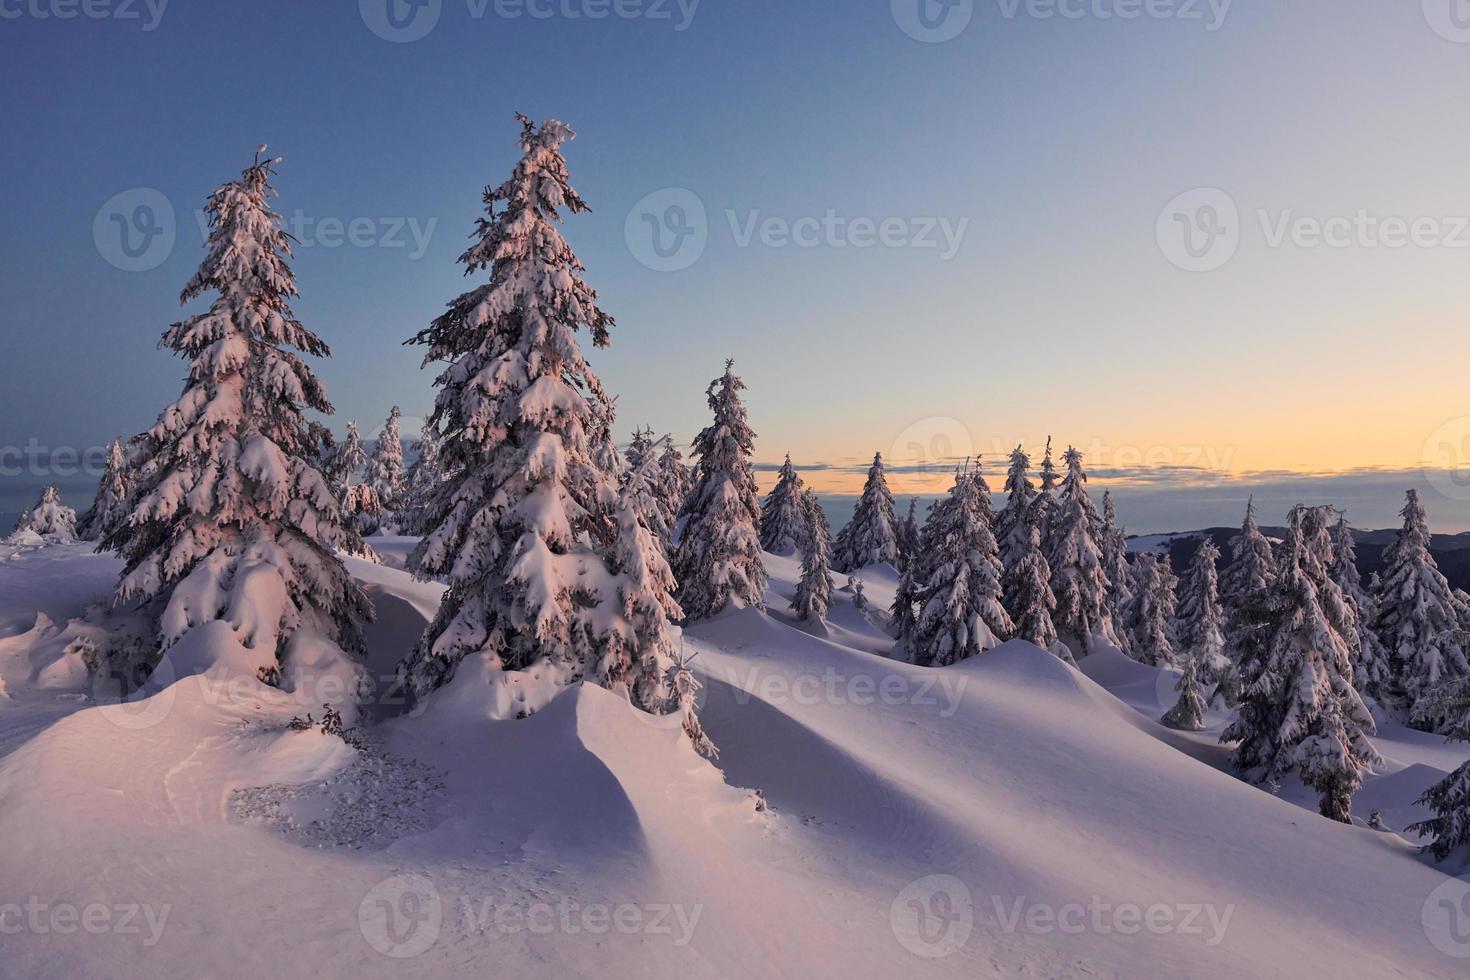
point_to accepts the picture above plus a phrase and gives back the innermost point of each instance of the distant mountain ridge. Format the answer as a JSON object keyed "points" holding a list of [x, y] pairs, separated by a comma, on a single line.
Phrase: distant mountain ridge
{"points": [[1451, 551]]}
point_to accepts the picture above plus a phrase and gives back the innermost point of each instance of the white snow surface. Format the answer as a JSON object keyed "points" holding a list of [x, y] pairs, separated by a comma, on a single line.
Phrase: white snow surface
{"points": [[920, 822]]}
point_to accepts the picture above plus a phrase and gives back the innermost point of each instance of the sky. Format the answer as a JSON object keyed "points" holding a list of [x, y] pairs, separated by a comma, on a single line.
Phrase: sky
{"points": [[1219, 246]]}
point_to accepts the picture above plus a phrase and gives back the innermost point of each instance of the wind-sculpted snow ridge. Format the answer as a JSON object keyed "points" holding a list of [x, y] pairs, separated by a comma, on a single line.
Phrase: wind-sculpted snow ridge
{"points": [[1004, 817]]}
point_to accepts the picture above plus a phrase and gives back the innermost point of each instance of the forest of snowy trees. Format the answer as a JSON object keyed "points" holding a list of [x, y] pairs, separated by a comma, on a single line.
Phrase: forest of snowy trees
{"points": [[559, 552]]}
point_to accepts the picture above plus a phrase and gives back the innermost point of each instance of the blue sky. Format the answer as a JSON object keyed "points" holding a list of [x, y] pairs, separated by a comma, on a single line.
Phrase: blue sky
{"points": [[1055, 143]]}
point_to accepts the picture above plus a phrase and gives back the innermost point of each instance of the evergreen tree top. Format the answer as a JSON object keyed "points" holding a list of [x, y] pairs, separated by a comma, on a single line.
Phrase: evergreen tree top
{"points": [[246, 264], [1018, 482], [1076, 475], [1414, 537], [535, 296], [1049, 477]]}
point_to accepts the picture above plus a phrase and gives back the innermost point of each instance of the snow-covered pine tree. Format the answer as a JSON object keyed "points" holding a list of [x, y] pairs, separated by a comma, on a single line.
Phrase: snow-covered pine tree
{"points": [[908, 536], [640, 448], [525, 526], [1448, 799], [783, 514], [1244, 587], [1299, 710], [361, 506], [1419, 619], [345, 462], [110, 505], [914, 573], [814, 590], [643, 658], [961, 612], [1027, 577], [1201, 618], [685, 687], [1045, 500], [719, 552], [1370, 659], [1188, 713], [871, 537], [1020, 502], [385, 466], [902, 618], [1149, 617], [673, 485], [642, 452], [231, 519], [1113, 541], [423, 478], [675, 482], [49, 519], [642, 651], [1078, 578], [1252, 564]]}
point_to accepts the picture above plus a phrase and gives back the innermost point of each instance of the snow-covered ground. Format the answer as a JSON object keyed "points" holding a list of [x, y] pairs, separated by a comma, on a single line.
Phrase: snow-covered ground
{"points": [[1009, 817]]}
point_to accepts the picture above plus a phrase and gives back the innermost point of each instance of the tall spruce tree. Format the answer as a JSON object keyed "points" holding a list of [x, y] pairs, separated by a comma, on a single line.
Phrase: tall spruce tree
{"points": [[1077, 575], [423, 478], [1420, 620], [871, 537], [674, 483], [1252, 564], [903, 619], [526, 527], [1244, 588], [344, 462], [1448, 799], [908, 536], [783, 515], [1113, 541], [111, 504], [1026, 576], [1201, 618], [719, 552], [362, 508], [640, 448], [642, 453], [1020, 502], [1299, 711], [643, 658], [385, 466], [960, 598], [1149, 617], [1370, 660], [1045, 500], [231, 519], [814, 590]]}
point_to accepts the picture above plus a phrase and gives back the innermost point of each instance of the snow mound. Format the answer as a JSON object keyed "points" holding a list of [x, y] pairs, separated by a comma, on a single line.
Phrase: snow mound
{"points": [[918, 822]]}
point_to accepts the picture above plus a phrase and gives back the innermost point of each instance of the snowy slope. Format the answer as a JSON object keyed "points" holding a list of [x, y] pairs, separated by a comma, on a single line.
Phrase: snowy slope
{"points": [[920, 823]]}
